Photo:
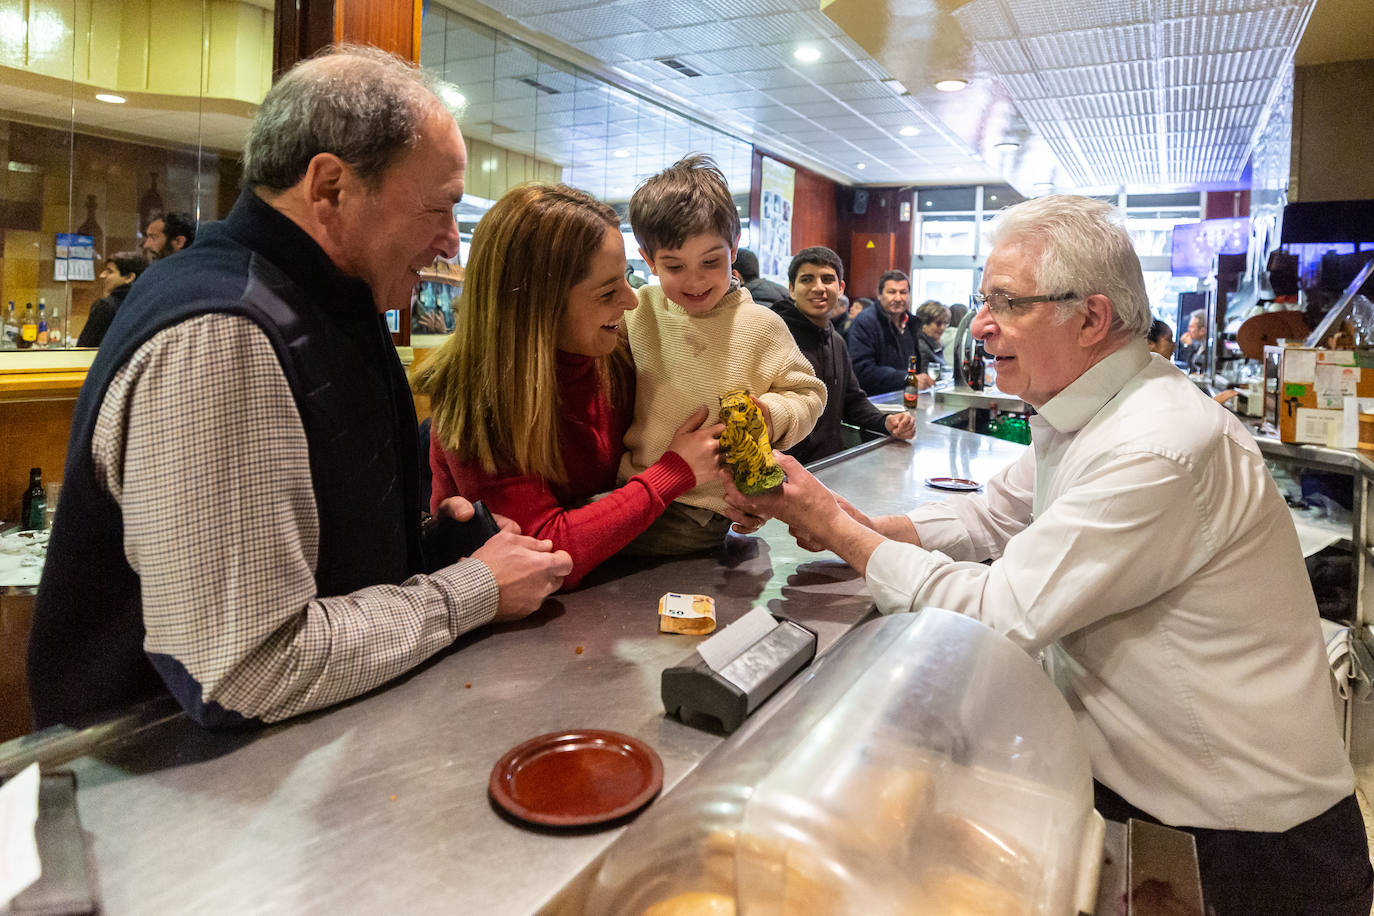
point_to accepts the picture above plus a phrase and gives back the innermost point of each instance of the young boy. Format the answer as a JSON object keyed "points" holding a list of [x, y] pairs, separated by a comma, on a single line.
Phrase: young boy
{"points": [[815, 280], [698, 336]]}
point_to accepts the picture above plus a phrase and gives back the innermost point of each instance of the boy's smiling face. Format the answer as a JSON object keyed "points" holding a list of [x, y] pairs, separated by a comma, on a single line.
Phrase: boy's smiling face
{"points": [[696, 275]]}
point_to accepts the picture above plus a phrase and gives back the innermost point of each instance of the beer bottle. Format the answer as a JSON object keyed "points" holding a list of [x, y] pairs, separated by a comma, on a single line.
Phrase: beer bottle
{"points": [[35, 502], [28, 331], [913, 386]]}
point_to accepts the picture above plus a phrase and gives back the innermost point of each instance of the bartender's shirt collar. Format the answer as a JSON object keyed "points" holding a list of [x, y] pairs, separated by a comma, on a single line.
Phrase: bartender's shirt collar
{"points": [[1071, 409]]}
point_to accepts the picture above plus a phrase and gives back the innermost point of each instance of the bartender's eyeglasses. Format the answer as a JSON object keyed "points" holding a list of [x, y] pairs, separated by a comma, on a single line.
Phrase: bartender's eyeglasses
{"points": [[1002, 306]]}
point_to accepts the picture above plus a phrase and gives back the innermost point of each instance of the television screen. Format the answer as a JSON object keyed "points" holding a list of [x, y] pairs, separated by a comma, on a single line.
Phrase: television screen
{"points": [[1196, 245]]}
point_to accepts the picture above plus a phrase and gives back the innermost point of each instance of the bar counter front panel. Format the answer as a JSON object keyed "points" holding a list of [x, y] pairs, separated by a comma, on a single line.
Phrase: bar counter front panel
{"points": [[380, 804]]}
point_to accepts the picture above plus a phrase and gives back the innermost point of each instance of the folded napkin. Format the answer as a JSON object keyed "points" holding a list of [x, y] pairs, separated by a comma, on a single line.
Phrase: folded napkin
{"points": [[1351, 661]]}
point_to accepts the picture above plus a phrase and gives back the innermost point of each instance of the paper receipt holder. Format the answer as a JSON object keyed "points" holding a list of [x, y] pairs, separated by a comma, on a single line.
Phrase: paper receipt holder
{"points": [[733, 672]]}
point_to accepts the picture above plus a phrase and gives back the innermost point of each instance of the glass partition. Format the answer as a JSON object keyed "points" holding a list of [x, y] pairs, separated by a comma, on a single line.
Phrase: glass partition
{"points": [[114, 115], [527, 115]]}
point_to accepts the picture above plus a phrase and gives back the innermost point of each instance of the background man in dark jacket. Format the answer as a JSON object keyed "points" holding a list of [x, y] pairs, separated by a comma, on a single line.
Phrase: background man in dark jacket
{"points": [[816, 279], [880, 341], [764, 292]]}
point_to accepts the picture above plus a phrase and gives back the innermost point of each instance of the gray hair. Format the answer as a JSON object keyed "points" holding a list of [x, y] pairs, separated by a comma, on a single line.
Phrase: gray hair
{"points": [[1084, 250], [360, 103]]}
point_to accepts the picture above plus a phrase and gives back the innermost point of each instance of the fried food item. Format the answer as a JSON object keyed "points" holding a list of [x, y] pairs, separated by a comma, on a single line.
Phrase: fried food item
{"points": [[745, 444], [694, 615], [693, 903], [954, 893]]}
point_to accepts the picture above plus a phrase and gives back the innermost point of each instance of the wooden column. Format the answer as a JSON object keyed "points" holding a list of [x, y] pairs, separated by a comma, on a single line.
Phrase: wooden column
{"points": [[305, 26]]}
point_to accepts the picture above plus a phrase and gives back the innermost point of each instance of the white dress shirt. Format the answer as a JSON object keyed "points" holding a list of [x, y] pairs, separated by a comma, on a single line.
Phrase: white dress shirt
{"points": [[1142, 544]]}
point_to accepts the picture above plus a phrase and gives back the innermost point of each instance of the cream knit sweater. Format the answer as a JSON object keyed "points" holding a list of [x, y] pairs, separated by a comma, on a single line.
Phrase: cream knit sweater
{"points": [[683, 362]]}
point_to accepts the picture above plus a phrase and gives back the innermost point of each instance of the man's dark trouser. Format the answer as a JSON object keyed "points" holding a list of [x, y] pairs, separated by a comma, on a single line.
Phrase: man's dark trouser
{"points": [[1321, 866]]}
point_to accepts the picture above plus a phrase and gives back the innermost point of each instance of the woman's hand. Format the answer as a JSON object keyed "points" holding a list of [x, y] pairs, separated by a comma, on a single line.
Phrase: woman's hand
{"points": [[698, 445]]}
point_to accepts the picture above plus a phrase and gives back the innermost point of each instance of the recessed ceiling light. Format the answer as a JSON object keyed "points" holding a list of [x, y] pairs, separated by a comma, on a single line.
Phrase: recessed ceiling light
{"points": [[895, 86], [807, 54], [1006, 147], [860, 166], [621, 154], [110, 97], [909, 131], [951, 85], [992, 197], [930, 203]]}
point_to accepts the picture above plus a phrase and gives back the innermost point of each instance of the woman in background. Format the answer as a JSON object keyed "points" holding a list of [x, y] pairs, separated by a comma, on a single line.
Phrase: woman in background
{"points": [[121, 270], [1161, 339], [932, 318], [532, 393]]}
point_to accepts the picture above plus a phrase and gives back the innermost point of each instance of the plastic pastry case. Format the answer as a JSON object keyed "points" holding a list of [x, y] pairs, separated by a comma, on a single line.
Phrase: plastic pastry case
{"points": [[924, 765]]}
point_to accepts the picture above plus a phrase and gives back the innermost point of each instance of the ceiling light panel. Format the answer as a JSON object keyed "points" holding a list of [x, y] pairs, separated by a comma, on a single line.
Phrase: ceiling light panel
{"points": [[1124, 93]]}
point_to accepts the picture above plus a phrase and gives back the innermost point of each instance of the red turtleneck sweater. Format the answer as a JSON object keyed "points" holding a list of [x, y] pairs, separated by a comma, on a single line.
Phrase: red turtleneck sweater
{"points": [[591, 434]]}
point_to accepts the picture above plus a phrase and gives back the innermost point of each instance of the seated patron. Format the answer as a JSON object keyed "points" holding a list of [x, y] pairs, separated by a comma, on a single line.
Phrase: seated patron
{"points": [[932, 318], [881, 342], [118, 278], [816, 278]]}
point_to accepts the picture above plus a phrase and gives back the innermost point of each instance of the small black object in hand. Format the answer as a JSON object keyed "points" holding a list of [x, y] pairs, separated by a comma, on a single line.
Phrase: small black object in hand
{"points": [[447, 540]]}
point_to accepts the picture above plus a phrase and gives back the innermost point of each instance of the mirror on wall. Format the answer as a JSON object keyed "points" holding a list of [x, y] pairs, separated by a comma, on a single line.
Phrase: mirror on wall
{"points": [[527, 115], [116, 117]]}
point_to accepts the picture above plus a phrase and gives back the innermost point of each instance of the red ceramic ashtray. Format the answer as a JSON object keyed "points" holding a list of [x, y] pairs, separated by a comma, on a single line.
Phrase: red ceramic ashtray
{"points": [[576, 778]]}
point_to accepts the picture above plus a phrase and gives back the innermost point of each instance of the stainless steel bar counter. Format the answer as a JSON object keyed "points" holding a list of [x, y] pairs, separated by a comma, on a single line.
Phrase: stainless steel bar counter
{"points": [[380, 804]]}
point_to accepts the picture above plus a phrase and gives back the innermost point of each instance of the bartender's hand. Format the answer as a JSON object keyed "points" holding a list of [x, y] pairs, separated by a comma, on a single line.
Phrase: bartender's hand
{"points": [[767, 416], [924, 381], [900, 425], [526, 571], [460, 510]]}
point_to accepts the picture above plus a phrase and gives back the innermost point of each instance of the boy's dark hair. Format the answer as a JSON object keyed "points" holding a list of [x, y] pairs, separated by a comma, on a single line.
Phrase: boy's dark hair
{"points": [[816, 254], [688, 198], [889, 276]]}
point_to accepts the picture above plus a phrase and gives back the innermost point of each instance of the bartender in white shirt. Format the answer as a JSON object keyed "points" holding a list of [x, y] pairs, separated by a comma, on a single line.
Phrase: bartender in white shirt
{"points": [[1141, 544]]}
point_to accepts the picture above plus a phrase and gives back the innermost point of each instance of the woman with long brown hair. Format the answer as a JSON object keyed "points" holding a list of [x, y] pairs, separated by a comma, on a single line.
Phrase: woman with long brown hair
{"points": [[532, 393]]}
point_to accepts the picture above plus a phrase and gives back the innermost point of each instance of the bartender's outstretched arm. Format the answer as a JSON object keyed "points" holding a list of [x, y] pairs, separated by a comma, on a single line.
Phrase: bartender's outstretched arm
{"points": [[817, 518]]}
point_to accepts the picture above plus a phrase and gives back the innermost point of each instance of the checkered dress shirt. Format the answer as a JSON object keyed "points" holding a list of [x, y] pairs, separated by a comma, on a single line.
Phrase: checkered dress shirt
{"points": [[199, 442]]}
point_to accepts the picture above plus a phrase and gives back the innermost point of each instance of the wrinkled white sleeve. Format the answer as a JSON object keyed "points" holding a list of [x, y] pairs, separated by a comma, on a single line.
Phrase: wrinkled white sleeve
{"points": [[1079, 562]]}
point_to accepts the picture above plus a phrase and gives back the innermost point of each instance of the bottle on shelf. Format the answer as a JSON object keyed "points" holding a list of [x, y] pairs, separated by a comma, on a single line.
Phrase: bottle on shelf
{"points": [[41, 338], [35, 502], [10, 339], [149, 205], [28, 331], [54, 329], [912, 391], [91, 227]]}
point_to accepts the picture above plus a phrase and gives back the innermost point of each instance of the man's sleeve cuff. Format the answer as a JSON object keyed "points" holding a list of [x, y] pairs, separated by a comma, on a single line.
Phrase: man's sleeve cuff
{"points": [[470, 589], [940, 528]]}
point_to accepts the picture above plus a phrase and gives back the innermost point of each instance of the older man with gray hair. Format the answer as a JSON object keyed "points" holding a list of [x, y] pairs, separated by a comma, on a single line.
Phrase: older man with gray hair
{"points": [[240, 522], [1140, 544]]}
